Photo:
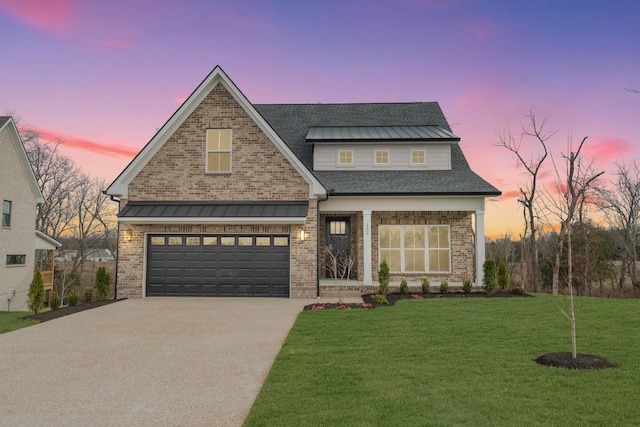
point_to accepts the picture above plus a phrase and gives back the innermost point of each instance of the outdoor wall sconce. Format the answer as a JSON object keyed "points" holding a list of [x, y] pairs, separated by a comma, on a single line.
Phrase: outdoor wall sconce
{"points": [[128, 235], [303, 235]]}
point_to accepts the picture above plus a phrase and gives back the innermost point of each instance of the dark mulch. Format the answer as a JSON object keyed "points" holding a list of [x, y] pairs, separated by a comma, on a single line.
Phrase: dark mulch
{"points": [[582, 361], [368, 302], [64, 311]]}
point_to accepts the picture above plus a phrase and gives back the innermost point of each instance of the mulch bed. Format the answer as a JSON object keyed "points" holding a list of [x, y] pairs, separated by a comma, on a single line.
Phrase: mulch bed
{"points": [[582, 361], [369, 303], [64, 311]]}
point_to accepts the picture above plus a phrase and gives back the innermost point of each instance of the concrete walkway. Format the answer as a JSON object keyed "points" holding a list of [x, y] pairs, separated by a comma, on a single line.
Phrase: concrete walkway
{"points": [[144, 362]]}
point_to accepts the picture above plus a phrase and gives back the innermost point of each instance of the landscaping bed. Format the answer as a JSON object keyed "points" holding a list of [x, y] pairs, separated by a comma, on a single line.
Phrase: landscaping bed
{"points": [[70, 309]]}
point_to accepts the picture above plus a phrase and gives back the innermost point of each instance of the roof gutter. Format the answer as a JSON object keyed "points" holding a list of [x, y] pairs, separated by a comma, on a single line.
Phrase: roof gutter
{"points": [[318, 238], [115, 279]]}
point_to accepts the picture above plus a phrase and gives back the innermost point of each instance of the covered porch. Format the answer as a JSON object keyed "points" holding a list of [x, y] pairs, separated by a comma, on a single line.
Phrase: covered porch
{"points": [[46, 247]]}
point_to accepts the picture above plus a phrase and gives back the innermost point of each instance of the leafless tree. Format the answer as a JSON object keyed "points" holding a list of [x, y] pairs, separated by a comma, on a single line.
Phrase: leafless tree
{"points": [[340, 266], [621, 204], [528, 191]]}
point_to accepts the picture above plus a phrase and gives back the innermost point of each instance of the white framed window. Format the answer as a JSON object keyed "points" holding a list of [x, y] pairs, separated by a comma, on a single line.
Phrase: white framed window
{"points": [[218, 151], [418, 157], [345, 158], [381, 157], [6, 213], [415, 248]]}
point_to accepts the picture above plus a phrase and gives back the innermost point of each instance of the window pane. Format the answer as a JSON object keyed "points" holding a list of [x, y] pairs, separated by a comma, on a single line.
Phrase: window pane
{"points": [[444, 237], [209, 241], [225, 140], [245, 241], [382, 157], [337, 227], [414, 260], [213, 139], [225, 162], [175, 240], [346, 157], [394, 237], [16, 259], [280, 241], [384, 236], [227, 241], [157, 240], [193, 241], [263, 241], [392, 257], [443, 260], [417, 156]]}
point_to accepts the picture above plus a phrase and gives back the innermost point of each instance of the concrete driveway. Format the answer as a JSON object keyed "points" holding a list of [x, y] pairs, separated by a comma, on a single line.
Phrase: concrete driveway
{"points": [[151, 361]]}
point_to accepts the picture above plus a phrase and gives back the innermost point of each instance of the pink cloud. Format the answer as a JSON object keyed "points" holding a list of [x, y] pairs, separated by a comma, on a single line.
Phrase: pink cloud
{"points": [[48, 15], [180, 97], [606, 148], [112, 150]]}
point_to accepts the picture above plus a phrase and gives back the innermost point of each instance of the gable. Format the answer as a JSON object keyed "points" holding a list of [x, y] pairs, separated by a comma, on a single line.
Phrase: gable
{"points": [[177, 171], [120, 187]]}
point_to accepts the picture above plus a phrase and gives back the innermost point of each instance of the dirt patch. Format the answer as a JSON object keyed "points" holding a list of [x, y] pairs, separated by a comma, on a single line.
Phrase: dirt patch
{"points": [[65, 311], [582, 361]]}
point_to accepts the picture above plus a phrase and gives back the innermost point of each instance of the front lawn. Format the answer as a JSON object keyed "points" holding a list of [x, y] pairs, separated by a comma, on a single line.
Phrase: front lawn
{"points": [[454, 362], [10, 320]]}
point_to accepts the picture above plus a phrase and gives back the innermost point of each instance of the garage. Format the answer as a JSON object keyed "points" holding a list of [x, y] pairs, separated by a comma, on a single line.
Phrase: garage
{"points": [[232, 265]]}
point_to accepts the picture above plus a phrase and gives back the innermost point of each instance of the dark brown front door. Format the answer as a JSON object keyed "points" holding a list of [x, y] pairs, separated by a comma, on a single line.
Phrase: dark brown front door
{"points": [[338, 238]]}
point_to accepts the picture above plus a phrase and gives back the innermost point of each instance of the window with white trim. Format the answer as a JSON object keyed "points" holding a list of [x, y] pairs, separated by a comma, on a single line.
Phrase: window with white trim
{"points": [[415, 248], [6, 213], [218, 151], [381, 157], [418, 157], [345, 157]]}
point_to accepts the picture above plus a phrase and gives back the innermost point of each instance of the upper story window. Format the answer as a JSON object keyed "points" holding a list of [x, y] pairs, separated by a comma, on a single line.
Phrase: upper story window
{"points": [[345, 157], [218, 150], [417, 157], [382, 157], [6, 213]]}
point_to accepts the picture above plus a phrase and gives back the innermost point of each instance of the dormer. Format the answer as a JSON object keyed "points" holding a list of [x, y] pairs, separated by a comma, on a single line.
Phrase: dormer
{"points": [[381, 147]]}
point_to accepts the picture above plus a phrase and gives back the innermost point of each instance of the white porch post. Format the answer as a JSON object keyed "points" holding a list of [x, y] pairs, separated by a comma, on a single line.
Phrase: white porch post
{"points": [[366, 234], [480, 254]]}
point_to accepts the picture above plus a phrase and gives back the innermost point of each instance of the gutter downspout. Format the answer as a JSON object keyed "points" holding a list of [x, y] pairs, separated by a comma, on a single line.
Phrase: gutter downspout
{"points": [[328, 193], [115, 279]]}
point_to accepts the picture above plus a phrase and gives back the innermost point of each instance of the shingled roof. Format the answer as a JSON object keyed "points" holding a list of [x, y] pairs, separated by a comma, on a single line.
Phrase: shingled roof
{"points": [[293, 121]]}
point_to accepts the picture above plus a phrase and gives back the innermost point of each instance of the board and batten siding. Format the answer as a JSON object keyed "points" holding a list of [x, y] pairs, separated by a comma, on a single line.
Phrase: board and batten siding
{"points": [[437, 157]]}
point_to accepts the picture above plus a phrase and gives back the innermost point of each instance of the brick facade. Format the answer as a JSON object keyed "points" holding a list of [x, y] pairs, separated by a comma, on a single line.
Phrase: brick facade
{"points": [[259, 172]]}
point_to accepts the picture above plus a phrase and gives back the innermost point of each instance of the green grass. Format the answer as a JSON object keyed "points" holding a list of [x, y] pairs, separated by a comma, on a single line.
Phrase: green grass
{"points": [[10, 320], [454, 362]]}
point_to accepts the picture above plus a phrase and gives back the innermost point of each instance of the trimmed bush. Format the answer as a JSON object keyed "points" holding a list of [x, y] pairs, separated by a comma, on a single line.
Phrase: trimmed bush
{"points": [[503, 276], [88, 295], [383, 279], [404, 287], [379, 299], [36, 292], [489, 279], [73, 298], [466, 285], [54, 300], [444, 287], [425, 285], [103, 280]]}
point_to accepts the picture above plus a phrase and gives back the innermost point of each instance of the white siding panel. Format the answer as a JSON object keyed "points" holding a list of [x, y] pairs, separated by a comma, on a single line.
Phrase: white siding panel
{"points": [[437, 157]]}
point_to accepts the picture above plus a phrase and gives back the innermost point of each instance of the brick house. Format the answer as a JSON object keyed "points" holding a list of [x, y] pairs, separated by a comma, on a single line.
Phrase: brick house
{"points": [[235, 199]]}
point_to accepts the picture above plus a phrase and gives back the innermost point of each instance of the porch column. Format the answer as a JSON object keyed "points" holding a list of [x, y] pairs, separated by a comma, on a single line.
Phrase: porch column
{"points": [[366, 233], [479, 246]]}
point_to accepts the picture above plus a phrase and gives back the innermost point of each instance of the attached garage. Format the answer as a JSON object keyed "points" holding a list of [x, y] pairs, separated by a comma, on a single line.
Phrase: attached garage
{"points": [[218, 265]]}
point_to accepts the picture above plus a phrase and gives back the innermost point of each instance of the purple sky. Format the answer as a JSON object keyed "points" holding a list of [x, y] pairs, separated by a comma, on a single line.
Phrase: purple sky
{"points": [[106, 75]]}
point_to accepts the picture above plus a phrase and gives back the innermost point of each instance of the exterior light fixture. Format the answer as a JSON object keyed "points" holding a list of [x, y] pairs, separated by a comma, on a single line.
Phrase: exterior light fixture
{"points": [[128, 235], [303, 235]]}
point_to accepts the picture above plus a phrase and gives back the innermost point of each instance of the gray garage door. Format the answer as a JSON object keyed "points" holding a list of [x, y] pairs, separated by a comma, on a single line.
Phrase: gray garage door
{"points": [[218, 265]]}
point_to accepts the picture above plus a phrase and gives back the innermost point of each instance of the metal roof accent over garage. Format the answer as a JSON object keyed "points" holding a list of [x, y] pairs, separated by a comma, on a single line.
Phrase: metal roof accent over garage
{"points": [[234, 212], [380, 133]]}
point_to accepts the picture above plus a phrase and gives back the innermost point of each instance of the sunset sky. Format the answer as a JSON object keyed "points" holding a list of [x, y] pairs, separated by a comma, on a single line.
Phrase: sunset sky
{"points": [[105, 76]]}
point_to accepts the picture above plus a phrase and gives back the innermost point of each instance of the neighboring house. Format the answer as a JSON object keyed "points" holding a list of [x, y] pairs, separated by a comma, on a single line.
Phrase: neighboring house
{"points": [[20, 194], [102, 255], [235, 199]]}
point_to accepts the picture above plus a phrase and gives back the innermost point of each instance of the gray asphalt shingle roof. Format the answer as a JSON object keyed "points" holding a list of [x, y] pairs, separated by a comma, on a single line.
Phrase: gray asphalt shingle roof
{"points": [[293, 121]]}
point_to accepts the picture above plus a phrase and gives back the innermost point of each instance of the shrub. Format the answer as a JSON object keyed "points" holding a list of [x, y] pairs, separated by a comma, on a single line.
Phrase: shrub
{"points": [[73, 298], [379, 299], [54, 300], [36, 292], [88, 295], [103, 279], [466, 285], [425, 285], [404, 287], [489, 280], [444, 287], [503, 276], [383, 279]]}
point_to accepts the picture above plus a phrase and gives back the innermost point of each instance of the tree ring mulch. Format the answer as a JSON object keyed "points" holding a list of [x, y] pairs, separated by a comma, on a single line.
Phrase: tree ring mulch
{"points": [[70, 309], [582, 361]]}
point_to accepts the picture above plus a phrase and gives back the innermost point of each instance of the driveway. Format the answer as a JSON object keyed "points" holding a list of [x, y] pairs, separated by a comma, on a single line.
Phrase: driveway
{"points": [[144, 362]]}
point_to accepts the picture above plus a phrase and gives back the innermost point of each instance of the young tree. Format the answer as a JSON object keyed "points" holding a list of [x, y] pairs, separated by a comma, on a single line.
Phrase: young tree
{"points": [[36, 292], [621, 205], [528, 192]]}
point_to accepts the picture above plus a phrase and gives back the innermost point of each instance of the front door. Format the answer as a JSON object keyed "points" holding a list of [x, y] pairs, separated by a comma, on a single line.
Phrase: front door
{"points": [[338, 238]]}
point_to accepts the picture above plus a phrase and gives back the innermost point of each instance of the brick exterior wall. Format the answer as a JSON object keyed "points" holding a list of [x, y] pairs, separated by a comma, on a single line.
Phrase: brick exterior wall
{"points": [[177, 173]]}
